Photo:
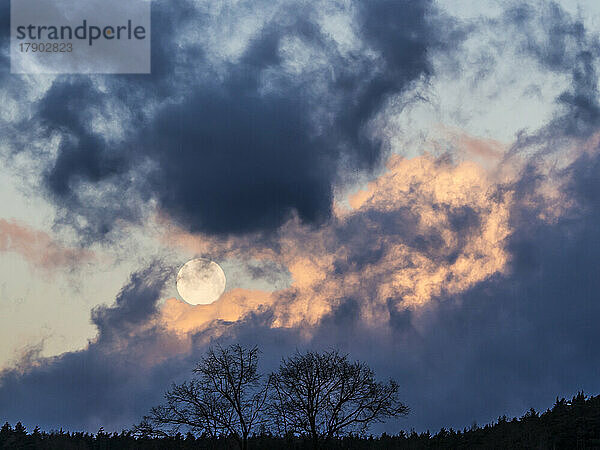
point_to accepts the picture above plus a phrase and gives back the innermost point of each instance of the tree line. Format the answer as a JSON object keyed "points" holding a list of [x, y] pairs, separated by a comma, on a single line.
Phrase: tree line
{"points": [[573, 424]]}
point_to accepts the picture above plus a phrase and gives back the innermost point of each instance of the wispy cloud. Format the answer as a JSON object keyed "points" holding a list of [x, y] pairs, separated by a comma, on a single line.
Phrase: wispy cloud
{"points": [[38, 247]]}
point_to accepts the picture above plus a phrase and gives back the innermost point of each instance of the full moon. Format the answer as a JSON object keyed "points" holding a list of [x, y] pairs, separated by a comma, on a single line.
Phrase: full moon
{"points": [[200, 281]]}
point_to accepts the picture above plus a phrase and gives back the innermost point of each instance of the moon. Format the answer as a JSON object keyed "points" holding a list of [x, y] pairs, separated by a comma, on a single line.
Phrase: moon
{"points": [[200, 281]]}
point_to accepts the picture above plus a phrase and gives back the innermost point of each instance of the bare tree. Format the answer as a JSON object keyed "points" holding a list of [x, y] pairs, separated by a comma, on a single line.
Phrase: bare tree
{"points": [[227, 397], [325, 395]]}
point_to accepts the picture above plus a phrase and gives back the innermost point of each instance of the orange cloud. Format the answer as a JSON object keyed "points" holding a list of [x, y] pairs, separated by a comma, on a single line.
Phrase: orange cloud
{"points": [[232, 306], [37, 247], [424, 228], [487, 149], [484, 151]]}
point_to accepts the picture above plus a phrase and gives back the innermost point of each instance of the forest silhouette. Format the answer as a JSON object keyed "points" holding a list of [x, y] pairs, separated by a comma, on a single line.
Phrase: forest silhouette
{"points": [[312, 401]]}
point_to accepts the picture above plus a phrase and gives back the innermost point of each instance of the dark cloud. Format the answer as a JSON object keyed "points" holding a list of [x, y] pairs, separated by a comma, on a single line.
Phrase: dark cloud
{"points": [[69, 115], [4, 40], [243, 163], [135, 304], [585, 184], [403, 33], [10, 83], [242, 146], [403, 225], [107, 382], [561, 44]]}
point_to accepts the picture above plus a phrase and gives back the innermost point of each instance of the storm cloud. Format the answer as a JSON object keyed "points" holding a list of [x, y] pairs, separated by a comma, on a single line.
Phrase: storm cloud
{"points": [[61, 389], [229, 146]]}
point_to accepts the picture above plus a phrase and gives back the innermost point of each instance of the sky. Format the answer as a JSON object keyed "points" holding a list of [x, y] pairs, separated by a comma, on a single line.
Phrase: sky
{"points": [[412, 182]]}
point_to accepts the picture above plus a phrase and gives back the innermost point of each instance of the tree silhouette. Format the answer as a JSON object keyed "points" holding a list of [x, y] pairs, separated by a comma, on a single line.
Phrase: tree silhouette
{"points": [[227, 397], [324, 395]]}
